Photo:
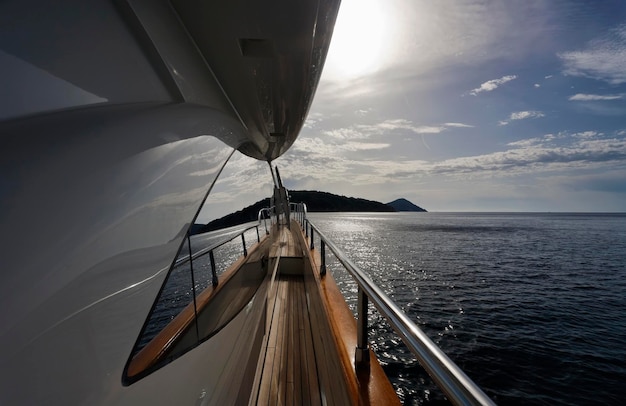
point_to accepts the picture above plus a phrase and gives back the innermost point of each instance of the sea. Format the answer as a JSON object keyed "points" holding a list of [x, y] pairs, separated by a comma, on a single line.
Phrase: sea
{"points": [[532, 306]]}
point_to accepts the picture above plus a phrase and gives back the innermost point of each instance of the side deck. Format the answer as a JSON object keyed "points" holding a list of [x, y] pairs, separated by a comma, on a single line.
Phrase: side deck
{"points": [[290, 371], [304, 357]]}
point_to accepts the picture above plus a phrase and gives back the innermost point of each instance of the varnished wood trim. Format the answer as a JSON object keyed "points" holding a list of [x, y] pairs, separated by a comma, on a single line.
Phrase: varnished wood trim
{"points": [[367, 387]]}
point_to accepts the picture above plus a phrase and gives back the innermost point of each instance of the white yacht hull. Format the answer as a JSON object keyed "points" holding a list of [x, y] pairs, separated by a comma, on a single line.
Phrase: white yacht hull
{"points": [[116, 118]]}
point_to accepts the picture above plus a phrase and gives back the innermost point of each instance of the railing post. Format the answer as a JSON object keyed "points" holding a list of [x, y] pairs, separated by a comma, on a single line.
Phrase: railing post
{"points": [[243, 240], [193, 286], [306, 229], [213, 270], [362, 353], [312, 238], [258, 237], [323, 253]]}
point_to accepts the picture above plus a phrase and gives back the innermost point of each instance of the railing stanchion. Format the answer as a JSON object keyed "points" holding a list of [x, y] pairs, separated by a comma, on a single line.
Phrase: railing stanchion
{"points": [[323, 253], [193, 286], [258, 237], [213, 270], [243, 241], [362, 353], [312, 238], [306, 229]]}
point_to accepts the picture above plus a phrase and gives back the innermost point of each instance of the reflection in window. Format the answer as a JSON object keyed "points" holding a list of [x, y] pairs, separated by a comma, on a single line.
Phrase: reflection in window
{"points": [[174, 297], [190, 309]]}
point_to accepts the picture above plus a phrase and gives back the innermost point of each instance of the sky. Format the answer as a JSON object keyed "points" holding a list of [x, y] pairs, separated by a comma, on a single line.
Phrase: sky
{"points": [[465, 106]]}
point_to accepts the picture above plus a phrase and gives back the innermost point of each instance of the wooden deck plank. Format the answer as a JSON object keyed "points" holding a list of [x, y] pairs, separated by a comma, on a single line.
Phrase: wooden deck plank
{"points": [[268, 363], [304, 364], [285, 245], [289, 374], [284, 346], [290, 349], [274, 382], [297, 368], [310, 379], [305, 397]]}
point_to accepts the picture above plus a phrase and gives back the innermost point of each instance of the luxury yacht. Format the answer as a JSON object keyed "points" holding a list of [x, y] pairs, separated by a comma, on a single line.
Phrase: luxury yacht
{"points": [[116, 119]]}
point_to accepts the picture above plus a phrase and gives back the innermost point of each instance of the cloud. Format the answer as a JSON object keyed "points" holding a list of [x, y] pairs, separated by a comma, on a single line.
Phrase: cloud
{"points": [[526, 157], [363, 146], [491, 85], [320, 147], [349, 133], [336, 142], [458, 125], [586, 134], [522, 115], [533, 156], [527, 142], [547, 76], [560, 152], [313, 120], [594, 97], [536, 85], [402, 124], [603, 58], [427, 129]]}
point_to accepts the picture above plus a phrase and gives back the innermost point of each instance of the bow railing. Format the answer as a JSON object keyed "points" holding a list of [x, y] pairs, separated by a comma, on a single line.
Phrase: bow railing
{"points": [[454, 383]]}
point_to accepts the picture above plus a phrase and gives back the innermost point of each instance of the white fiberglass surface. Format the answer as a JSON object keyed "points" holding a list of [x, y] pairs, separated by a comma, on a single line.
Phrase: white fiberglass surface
{"points": [[92, 213], [55, 55], [37, 90]]}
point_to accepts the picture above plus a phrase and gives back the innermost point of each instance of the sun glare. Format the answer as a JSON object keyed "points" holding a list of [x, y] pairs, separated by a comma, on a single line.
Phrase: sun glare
{"points": [[358, 44]]}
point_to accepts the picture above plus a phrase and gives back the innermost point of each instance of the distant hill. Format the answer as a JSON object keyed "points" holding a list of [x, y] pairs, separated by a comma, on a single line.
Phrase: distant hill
{"points": [[404, 205], [323, 201], [315, 201]]}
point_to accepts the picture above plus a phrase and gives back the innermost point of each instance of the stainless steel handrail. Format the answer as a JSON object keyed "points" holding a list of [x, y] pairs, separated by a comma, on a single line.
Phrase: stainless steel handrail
{"points": [[300, 210], [270, 214], [206, 250], [455, 384], [209, 250]]}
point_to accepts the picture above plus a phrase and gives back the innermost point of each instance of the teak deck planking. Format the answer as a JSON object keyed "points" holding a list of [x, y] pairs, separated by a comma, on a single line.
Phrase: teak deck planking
{"points": [[285, 245], [289, 372]]}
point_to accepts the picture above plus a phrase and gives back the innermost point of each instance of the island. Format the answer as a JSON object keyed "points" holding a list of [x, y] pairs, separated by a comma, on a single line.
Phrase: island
{"points": [[404, 205], [316, 201]]}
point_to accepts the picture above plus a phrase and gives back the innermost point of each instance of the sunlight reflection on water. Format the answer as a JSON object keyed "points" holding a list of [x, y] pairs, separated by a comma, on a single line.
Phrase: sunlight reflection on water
{"points": [[528, 305]]}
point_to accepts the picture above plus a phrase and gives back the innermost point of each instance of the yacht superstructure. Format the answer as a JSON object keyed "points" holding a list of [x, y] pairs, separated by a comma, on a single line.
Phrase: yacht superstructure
{"points": [[117, 118]]}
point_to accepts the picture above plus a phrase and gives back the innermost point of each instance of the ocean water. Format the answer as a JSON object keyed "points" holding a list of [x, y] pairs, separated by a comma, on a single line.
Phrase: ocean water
{"points": [[531, 306]]}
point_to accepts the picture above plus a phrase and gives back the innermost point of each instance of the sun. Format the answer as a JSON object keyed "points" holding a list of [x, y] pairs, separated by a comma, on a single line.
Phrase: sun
{"points": [[359, 39]]}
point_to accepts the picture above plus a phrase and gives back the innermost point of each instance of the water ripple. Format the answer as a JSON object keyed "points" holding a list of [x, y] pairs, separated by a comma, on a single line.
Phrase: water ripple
{"points": [[531, 306]]}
